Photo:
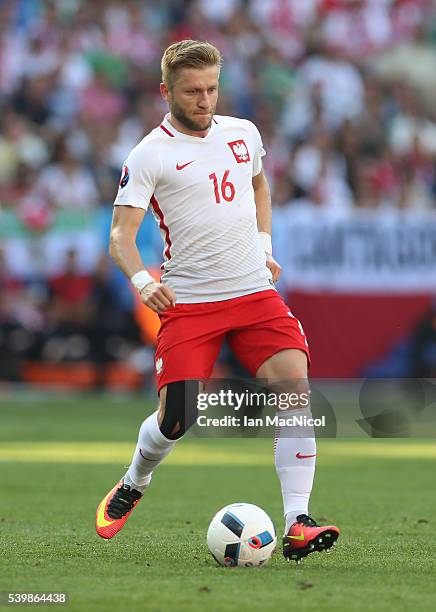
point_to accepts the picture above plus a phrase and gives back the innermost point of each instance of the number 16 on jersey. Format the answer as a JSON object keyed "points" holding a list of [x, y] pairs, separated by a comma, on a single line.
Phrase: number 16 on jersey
{"points": [[227, 188]]}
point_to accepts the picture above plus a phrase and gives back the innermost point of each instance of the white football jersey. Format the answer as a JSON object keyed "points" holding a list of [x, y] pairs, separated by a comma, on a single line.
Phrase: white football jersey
{"points": [[201, 194]]}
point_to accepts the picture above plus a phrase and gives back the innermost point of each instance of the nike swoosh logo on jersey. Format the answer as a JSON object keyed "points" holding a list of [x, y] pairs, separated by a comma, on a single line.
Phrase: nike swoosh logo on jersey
{"points": [[181, 166], [300, 456], [299, 537]]}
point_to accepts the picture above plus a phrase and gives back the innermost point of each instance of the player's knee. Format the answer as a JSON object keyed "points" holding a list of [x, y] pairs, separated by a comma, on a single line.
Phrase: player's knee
{"points": [[294, 393], [178, 408]]}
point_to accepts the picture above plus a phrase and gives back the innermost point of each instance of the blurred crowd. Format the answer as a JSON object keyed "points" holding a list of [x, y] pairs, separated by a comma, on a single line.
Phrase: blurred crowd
{"points": [[342, 92]]}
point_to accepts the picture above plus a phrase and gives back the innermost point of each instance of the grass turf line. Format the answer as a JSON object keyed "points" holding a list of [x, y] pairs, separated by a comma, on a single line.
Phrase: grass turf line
{"points": [[384, 560]]}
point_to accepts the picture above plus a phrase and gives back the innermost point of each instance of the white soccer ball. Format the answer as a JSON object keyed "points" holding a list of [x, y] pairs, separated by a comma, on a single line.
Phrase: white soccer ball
{"points": [[241, 535]]}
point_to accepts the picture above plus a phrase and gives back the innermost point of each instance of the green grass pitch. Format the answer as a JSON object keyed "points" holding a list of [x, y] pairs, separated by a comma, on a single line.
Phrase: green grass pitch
{"points": [[59, 457]]}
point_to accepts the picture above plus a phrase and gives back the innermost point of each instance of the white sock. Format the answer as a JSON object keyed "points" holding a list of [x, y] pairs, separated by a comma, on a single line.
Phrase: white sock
{"points": [[151, 449], [294, 454]]}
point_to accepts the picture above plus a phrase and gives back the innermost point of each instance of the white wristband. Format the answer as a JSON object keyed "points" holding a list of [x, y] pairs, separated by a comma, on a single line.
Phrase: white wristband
{"points": [[266, 242], [141, 279]]}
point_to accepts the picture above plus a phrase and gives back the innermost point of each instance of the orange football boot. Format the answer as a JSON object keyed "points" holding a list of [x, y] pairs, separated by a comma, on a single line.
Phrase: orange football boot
{"points": [[114, 510], [305, 536]]}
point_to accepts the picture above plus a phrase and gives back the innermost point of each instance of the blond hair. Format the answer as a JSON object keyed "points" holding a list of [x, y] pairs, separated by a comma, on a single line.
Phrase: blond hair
{"points": [[188, 54]]}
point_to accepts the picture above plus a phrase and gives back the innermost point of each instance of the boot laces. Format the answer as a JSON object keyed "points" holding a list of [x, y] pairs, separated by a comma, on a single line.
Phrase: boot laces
{"points": [[122, 501]]}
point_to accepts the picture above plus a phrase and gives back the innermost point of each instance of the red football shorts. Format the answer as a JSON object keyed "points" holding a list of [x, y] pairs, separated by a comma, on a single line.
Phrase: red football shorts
{"points": [[256, 327]]}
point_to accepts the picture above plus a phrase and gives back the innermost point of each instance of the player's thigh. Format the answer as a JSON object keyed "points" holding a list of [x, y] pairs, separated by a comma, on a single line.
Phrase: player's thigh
{"points": [[286, 372], [286, 364]]}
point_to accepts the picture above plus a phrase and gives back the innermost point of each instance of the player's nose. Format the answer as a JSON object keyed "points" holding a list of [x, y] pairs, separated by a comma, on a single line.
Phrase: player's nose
{"points": [[203, 100]]}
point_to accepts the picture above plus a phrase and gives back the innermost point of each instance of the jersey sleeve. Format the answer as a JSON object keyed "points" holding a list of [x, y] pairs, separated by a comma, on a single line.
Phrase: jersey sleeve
{"points": [[138, 179], [259, 151]]}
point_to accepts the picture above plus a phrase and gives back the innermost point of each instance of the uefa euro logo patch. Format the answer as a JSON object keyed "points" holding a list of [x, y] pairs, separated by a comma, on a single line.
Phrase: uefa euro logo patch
{"points": [[124, 177], [240, 151]]}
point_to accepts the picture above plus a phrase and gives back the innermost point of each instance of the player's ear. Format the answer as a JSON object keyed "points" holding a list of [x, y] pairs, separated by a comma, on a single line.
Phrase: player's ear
{"points": [[164, 91]]}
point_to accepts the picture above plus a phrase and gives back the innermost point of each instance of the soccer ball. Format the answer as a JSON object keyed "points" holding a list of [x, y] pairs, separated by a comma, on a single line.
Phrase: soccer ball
{"points": [[241, 535]]}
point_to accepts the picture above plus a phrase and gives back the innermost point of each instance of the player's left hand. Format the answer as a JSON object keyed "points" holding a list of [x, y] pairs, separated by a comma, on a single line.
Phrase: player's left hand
{"points": [[274, 267]]}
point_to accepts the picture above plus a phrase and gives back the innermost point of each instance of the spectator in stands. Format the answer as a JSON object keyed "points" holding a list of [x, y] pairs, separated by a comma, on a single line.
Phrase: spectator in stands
{"points": [[70, 293], [67, 183], [340, 84], [321, 172]]}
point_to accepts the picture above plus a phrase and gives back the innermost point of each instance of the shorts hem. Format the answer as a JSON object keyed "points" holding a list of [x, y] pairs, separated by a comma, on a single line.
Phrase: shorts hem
{"points": [[180, 378]]}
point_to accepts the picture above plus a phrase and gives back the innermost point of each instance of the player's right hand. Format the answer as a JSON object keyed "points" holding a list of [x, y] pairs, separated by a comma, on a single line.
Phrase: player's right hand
{"points": [[158, 297]]}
